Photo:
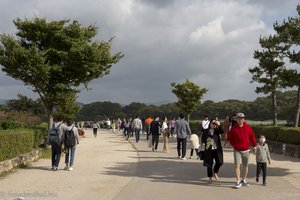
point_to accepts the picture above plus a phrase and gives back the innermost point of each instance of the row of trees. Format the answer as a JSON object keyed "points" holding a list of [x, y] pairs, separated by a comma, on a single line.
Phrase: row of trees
{"points": [[271, 71], [28, 111], [55, 58], [260, 109]]}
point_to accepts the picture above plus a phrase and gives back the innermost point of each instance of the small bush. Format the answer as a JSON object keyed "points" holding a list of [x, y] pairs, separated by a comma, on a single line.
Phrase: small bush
{"points": [[14, 143], [40, 136], [8, 124], [279, 134], [195, 127]]}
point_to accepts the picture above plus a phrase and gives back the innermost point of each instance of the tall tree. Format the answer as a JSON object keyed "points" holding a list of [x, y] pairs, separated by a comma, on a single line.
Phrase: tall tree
{"points": [[269, 69], [55, 58], [289, 32], [189, 96]]}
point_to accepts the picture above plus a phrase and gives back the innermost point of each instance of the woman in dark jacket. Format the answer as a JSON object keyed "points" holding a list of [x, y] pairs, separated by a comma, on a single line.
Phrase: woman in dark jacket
{"points": [[211, 142]]}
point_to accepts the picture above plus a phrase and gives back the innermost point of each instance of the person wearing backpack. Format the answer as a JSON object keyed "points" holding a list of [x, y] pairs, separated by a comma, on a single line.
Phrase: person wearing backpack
{"points": [[71, 138], [55, 138]]}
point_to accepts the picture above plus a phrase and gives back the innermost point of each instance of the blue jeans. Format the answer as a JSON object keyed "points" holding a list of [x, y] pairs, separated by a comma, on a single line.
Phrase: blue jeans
{"points": [[55, 154], [70, 150], [137, 134]]}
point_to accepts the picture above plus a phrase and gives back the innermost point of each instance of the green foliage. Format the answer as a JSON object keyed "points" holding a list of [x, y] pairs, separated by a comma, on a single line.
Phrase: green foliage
{"points": [[151, 111], [288, 32], [259, 109], [14, 143], [27, 119], [270, 65], [133, 109], [220, 109], [8, 124], [195, 127], [103, 110], [40, 137], [279, 134], [17, 142], [189, 95], [269, 70], [3, 107], [68, 108], [100, 111], [55, 58], [25, 104]]}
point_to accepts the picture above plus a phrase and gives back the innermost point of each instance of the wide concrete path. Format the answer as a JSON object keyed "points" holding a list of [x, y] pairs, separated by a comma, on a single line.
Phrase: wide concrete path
{"points": [[109, 167]]}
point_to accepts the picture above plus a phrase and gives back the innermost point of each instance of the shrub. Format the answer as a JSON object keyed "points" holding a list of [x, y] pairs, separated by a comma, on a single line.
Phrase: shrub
{"points": [[17, 142], [279, 134], [8, 124], [40, 136], [14, 143], [195, 127]]}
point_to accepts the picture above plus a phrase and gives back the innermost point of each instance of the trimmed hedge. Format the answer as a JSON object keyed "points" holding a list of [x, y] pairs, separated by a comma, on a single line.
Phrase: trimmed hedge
{"points": [[279, 134], [195, 127], [16, 142], [286, 135], [40, 136]]}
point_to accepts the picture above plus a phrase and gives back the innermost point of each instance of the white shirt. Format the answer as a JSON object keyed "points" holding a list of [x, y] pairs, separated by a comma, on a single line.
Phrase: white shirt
{"points": [[205, 124]]}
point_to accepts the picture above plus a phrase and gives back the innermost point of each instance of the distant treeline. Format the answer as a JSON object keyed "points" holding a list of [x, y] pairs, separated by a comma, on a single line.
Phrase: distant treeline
{"points": [[259, 109]]}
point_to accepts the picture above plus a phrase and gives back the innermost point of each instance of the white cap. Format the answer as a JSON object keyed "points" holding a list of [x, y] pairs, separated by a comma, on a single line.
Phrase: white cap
{"points": [[240, 115]]}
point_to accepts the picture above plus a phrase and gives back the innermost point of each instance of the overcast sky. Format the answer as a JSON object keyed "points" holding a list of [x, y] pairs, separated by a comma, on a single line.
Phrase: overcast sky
{"points": [[209, 42]]}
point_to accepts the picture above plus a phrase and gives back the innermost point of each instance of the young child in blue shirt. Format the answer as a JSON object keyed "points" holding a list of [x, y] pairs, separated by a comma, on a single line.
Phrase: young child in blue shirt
{"points": [[262, 157]]}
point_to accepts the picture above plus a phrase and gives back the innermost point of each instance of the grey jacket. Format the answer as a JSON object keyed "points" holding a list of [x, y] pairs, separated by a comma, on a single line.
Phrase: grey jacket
{"points": [[62, 129], [262, 153], [182, 128]]}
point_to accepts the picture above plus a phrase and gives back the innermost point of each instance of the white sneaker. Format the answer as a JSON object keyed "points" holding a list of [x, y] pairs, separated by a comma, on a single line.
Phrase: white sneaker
{"points": [[179, 157], [183, 158], [216, 176], [245, 183], [238, 185], [70, 168]]}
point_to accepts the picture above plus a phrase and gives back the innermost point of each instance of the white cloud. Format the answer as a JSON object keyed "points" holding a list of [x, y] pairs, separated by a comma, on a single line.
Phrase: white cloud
{"points": [[211, 42], [213, 31]]}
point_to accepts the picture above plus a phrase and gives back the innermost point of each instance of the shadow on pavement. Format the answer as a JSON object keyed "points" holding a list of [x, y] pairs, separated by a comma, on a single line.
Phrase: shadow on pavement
{"points": [[172, 170]]}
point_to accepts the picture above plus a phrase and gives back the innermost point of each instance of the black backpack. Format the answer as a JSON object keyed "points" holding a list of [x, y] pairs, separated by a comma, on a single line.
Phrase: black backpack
{"points": [[70, 140], [54, 135]]}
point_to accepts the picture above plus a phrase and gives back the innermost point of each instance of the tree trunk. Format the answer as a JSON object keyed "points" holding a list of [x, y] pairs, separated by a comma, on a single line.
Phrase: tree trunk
{"points": [[188, 119], [50, 118], [274, 102], [298, 108]]}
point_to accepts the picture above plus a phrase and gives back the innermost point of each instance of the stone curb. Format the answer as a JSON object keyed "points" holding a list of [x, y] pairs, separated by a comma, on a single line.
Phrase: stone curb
{"points": [[8, 165]]}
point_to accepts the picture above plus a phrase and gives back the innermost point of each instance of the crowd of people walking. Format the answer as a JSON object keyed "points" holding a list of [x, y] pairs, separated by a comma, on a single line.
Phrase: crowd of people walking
{"points": [[206, 143]]}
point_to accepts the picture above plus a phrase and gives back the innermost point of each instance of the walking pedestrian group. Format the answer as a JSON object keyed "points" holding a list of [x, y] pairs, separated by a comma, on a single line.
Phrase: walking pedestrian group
{"points": [[61, 136], [207, 145]]}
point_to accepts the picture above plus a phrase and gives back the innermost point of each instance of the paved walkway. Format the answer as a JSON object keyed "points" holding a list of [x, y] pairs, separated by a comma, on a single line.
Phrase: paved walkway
{"points": [[110, 168]]}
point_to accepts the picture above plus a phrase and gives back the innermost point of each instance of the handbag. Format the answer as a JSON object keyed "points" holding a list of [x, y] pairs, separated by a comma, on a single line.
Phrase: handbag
{"points": [[201, 152], [201, 155]]}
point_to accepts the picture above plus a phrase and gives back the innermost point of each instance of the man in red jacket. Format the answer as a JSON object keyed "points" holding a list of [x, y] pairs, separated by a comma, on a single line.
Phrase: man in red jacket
{"points": [[240, 136]]}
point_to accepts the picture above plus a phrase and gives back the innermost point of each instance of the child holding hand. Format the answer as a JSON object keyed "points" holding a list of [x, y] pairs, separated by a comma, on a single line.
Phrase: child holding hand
{"points": [[262, 157]]}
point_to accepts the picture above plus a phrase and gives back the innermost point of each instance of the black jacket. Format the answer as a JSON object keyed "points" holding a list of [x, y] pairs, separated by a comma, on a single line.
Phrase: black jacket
{"points": [[154, 127], [208, 161]]}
